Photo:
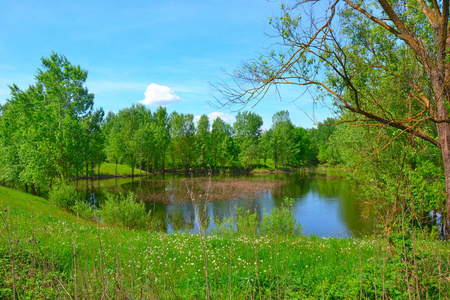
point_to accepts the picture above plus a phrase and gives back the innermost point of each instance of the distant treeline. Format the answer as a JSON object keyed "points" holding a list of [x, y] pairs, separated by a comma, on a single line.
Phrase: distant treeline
{"points": [[50, 132], [159, 141]]}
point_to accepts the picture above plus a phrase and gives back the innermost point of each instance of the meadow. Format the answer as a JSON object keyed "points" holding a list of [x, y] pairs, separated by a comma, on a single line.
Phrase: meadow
{"points": [[50, 253]]}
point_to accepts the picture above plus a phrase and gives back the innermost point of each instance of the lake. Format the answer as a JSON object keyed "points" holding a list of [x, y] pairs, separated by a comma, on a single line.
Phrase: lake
{"points": [[324, 206]]}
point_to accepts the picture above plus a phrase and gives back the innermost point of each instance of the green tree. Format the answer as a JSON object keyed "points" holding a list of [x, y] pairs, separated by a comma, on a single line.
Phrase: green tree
{"points": [[321, 137], [183, 137], [283, 147], [265, 145], [114, 140], [203, 139], [385, 62], [94, 140], [304, 147], [161, 131], [130, 121], [247, 129], [48, 132]]}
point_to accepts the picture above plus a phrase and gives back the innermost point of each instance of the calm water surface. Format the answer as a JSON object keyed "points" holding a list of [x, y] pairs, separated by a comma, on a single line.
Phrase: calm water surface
{"points": [[325, 207]]}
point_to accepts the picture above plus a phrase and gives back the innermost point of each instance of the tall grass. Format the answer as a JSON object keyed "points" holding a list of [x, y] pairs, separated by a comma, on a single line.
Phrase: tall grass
{"points": [[49, 253]]}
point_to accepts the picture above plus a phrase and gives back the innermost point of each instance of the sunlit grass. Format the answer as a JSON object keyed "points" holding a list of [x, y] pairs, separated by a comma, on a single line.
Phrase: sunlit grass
{"points": [[86, 259], [109, 169]]}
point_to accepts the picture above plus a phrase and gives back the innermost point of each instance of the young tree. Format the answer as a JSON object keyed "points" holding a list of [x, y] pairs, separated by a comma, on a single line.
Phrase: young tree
{"points": [[386, 62], [304, 147], [183, 137], [283, 147], [48, 115], [161, 131], [247, 129], [265, 145], [94, 139], [114, 140], [218, 134], [130, 120], [203, 139]]}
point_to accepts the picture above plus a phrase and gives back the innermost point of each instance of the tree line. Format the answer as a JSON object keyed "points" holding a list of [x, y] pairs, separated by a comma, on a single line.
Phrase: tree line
{"points": [[50, 132]]}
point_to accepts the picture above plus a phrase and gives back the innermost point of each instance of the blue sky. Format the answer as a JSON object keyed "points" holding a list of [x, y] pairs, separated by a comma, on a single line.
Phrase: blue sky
{"points": [[165, 50]]}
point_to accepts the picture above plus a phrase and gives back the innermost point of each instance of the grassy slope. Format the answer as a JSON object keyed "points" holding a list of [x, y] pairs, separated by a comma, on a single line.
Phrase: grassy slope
{"points": [[160, 265], [109, 169]]}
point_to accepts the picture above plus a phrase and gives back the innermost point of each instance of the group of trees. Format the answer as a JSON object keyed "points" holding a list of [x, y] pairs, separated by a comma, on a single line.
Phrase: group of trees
{"points": [[41, 126], [159, 141], [50, 132]]}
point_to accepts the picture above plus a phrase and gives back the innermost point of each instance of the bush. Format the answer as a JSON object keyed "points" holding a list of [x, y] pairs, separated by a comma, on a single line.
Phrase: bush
{"points": [[125, 211], [64, 196], [246, 222], [84, 210], [281, 220]]}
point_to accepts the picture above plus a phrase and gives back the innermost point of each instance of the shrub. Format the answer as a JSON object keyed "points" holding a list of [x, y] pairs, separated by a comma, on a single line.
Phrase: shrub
{"points": [[64, 196], [84, 210], [125, 211], [246, 222], [281, 220]]}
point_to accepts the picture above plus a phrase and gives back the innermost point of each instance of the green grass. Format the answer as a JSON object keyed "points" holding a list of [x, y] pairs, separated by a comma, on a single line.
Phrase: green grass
{"points": [[109, 169], [57, 254]]}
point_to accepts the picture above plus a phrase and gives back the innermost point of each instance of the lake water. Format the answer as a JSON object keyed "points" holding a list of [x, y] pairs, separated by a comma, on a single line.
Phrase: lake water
{"points": [[324, 206]]}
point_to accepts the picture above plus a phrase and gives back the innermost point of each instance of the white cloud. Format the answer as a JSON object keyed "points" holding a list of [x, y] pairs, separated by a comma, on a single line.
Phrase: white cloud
{"points": [[226, 117], [159, 95], [214, 115]]}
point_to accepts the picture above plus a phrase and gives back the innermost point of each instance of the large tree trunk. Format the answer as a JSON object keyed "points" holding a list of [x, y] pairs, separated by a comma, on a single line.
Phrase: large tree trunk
{"points": [[444, 141], [441, 91]]}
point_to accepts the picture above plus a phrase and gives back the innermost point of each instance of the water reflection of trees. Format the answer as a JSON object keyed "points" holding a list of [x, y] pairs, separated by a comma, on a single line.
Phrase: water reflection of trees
{"points": [[175, 215], [201, 189]]}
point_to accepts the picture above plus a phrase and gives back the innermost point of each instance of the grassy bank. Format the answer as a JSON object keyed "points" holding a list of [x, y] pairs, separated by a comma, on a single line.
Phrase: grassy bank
{"points": [[57, 255], [109, 169]]}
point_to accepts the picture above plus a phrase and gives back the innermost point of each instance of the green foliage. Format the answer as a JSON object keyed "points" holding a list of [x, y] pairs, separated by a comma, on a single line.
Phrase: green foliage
{"points": [[247, 223], [85, 210], [42, 128], [182, 131], [247, 129], [281, 220], [126, 211], [64, 196], [203, 142], [282, 142]]}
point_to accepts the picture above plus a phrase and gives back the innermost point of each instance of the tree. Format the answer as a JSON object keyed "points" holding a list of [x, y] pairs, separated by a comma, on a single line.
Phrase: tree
{"points": [[321, 136], [203, 139], [283, 148], [48, 131], [304, 147], [130, 121], [183, 137], [114, 140], [161, 131], [385, 62], [247, 129], [221, 142], [265, 144], [94, 139]]}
